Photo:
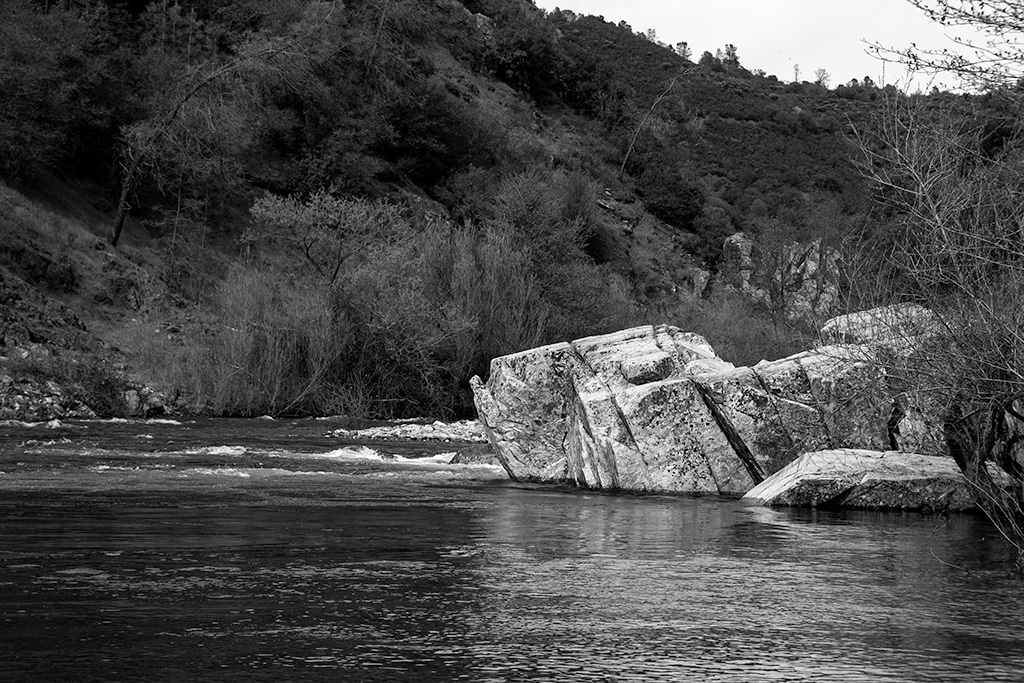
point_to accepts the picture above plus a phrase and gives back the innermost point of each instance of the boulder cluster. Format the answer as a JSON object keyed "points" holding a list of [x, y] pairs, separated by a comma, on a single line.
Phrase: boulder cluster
{"points": [[31, 400], [654, 409]]}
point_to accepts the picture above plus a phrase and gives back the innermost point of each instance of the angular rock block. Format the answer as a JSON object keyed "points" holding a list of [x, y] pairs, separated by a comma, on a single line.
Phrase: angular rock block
{"points": [[854, 478], [680, 447], [524, 408]]}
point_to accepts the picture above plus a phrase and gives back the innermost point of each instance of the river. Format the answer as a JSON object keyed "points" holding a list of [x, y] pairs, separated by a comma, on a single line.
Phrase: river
{"points": [[249, 550]]}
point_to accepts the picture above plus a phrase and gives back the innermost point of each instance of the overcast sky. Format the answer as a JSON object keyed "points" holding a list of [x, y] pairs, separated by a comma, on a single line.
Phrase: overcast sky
{"points": [[776, 34]]}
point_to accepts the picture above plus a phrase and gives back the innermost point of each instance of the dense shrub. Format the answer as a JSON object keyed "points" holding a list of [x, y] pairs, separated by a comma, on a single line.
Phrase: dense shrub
{"points": [[436, 134], [671, 198], [740, 329], [431, 313], [279, 348], [424, 304]]}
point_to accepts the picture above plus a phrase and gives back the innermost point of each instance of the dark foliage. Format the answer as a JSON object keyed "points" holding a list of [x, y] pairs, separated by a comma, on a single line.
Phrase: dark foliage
{"points": [[669, 197], [436, 135], [227, 100]]}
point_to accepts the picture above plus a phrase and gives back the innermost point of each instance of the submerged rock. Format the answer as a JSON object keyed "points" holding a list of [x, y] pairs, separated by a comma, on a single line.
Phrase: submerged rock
{"points": [[654, 409], [864, 479], [475, 454]]}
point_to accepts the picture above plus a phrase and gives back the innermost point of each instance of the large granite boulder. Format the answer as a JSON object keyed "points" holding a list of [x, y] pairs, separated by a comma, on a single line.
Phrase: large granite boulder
{"points": [[654, 409], [864, 479], [567, 412]]}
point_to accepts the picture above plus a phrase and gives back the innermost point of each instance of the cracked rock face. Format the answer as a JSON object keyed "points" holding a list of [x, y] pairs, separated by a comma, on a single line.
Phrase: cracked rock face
{"points": [[653, 409]]}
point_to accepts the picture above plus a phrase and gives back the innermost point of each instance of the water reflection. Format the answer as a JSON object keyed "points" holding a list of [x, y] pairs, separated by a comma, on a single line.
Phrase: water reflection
{"points": [[722, 588]]}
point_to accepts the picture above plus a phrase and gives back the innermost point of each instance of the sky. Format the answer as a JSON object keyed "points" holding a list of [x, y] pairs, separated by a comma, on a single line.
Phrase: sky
{"points": [[775, 35]]}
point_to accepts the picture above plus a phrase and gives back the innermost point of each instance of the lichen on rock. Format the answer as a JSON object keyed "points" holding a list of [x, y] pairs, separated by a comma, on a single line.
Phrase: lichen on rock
{"points": [[654, 409]]}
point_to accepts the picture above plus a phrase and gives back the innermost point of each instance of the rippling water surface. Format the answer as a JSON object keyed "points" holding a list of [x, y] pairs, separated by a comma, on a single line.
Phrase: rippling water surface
{"points": [[249, 550]]}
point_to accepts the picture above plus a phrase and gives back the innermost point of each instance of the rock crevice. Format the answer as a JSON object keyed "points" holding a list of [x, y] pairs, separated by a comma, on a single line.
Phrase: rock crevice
{"points": [[731, 435]]}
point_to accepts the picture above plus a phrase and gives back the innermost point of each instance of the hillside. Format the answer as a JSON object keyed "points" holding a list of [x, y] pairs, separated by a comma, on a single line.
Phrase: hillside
{"points": [[352, 208]]}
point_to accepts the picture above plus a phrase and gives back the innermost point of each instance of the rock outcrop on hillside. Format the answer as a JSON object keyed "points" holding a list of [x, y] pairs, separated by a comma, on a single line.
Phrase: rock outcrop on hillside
{"points": [[654, 409], [798, 280]]}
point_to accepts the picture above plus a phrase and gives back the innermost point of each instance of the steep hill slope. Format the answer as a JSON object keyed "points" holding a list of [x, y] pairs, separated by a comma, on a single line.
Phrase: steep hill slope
{"points": [[352, 208]]}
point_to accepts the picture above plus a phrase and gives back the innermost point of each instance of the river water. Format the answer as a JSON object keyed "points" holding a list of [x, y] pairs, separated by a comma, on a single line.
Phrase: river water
{"points": [[266, 551]]}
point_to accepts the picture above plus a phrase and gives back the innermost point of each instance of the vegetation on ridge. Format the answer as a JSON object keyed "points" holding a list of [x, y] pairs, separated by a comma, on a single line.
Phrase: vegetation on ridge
{"points": [[351, 207]]}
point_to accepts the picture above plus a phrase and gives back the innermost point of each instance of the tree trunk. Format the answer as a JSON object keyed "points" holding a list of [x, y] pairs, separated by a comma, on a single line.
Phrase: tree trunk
{"points": [[640, 126], [123, 207]]}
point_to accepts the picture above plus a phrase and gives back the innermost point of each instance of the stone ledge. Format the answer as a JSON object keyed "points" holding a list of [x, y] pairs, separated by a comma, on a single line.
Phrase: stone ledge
{"points": [[862, 479]]}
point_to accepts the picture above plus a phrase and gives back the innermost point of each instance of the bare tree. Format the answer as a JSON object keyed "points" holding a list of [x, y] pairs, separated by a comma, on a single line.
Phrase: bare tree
{"points": [[960, 252], [665, 94], [993, 59], [326, 230]]}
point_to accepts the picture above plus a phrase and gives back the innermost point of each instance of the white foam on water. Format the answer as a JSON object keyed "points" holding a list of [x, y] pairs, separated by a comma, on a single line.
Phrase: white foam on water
{"points": [[356, 453], [350, 453], [439, 459], [219, 472], [249, 472], [114, 468], [131, 468], [37, 442], [19, 423], [50, 424], [365, 453], [161, 421], [218, 450]]}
